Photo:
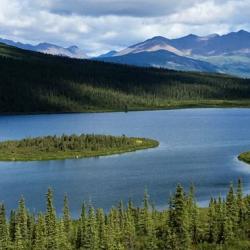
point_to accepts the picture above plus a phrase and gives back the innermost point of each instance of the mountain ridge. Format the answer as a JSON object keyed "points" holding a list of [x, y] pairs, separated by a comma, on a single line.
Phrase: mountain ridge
{"points": [[228, 53], [214, 49]]}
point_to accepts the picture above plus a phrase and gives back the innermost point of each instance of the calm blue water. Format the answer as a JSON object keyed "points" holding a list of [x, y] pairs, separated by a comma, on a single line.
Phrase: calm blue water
{"points": [[196, 145]]}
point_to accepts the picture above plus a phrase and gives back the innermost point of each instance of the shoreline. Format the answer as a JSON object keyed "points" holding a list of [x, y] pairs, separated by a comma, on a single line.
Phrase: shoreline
{"points": [[228, 105]]}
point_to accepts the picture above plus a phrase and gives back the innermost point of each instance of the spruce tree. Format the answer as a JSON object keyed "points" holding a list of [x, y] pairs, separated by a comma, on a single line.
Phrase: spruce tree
{"points": [[50, 222], [82, 236], [231, 207], [129, 231], [63, 241], [4, 237], [19, 243], [40, 234], [211, 223], [91, 241], [12, 225], [101, 227], [179, 221], [193, 214], [241, 204], [22, 219], [67, 217]]}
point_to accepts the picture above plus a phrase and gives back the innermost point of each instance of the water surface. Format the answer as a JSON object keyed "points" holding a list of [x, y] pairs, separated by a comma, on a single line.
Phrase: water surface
{"points": [[196, 145]]}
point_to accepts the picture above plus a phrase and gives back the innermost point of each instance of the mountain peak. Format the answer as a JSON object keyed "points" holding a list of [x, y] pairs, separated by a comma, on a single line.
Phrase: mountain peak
{"points": [[242, 32], [191, 36], [159, 38], [109, 53], [73, 47]]}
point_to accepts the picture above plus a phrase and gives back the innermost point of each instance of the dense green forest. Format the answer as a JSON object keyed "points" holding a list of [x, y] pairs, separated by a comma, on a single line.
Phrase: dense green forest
{"points": [[73, 146], [34, 82], [225, 224]]}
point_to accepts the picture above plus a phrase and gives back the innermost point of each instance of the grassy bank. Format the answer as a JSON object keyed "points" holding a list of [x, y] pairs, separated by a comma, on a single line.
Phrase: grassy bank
{"points": [[245, 157], [68, 147]]}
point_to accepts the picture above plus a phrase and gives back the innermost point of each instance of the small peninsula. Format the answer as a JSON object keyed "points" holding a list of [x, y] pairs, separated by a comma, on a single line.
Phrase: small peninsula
{"points": [[71, 146], [245, 157]]}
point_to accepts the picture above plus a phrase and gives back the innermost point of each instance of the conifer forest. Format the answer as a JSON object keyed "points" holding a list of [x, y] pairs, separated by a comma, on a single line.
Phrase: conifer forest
{"points": [[225, 224]]}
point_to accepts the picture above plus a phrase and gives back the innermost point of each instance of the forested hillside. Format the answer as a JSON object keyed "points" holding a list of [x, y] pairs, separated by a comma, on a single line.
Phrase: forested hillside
{"points": [[224, 225], [34, 82]]}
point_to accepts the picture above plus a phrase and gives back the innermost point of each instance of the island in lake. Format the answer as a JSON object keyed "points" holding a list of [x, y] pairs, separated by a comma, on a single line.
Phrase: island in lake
{"points": [[73, 146], [245, 157]]}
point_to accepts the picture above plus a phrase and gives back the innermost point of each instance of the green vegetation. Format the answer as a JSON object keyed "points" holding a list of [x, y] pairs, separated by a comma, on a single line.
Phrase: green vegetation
{"points": [[73, 146], [36, 83], [245, 157], [223, 225]]}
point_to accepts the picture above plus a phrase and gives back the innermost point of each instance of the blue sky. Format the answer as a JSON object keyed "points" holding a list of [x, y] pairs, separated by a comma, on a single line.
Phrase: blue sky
{"points": [[101, 25]]}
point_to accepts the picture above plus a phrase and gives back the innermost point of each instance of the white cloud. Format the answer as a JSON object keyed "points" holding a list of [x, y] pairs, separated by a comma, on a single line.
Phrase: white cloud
{"points": [[101, 25]]}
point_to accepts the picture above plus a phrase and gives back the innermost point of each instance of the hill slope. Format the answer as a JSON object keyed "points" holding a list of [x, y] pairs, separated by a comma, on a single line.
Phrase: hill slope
{"points": [[32, 82]]}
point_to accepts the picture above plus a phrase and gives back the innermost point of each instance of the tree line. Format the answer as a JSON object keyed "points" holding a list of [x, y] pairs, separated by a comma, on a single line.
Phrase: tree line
{"points": [[88, 142], [225, 224]]}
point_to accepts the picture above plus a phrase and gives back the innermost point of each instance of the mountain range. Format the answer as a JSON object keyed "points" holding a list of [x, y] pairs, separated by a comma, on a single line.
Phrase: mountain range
{"points": [[48, 48], [228, 53]]}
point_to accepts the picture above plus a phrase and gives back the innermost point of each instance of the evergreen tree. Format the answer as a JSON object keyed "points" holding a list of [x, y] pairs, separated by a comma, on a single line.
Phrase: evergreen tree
{"points": [[231, 206], [51, 224], [193, 214], [63, 241], [66, 217], [22, 219], [211, 225], [19, 242], [40, 233], [129, 231], [82, 236], [179, 221], [240, 203], [31, 223], [91, 241], [4, 237], [12, 225], [100, 220]]}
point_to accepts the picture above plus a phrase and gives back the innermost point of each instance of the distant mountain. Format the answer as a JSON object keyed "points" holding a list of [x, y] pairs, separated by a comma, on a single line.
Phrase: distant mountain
{"points": [[162, 58], [150, 45], [198, 53], [47, 48], [228, 53], [214, 45]]}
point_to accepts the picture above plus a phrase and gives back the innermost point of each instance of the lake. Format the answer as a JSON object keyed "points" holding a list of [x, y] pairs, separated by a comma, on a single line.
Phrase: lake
{"points": [[197, 146]]}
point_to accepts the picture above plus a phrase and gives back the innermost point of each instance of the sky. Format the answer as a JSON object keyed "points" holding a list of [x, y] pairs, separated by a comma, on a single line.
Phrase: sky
{"points": [[98, 26]]}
